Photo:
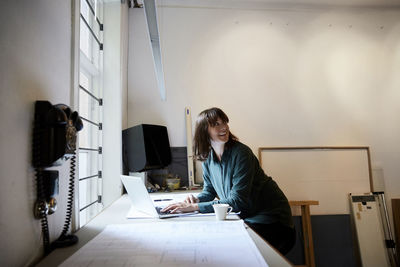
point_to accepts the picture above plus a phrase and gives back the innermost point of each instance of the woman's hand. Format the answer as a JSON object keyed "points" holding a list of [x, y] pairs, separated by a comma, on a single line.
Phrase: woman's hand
{"points": [[191, 199], [181, 207]]}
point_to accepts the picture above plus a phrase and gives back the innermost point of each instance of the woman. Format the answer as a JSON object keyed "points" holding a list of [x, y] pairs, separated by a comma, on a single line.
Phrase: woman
{"points": [[232, 173]]}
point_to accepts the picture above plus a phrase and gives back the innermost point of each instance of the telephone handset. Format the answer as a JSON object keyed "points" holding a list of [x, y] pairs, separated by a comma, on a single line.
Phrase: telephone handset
{"points": [[54, 142]]}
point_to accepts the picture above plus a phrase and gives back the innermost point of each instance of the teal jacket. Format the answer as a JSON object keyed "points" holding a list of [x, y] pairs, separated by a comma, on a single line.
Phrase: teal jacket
{"points": [[239, 181]]}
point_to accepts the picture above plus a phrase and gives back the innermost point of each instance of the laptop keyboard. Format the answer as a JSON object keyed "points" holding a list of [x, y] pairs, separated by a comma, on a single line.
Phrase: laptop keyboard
{"points": [[158, 209]]}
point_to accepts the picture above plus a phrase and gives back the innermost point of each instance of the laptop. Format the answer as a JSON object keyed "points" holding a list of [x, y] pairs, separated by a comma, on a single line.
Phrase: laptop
{"points": [[141, 200]]}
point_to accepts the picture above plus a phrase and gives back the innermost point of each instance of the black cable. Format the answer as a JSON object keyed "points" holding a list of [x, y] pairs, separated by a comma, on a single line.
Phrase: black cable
{"points": [[66, 240], [42, 206], [70, 195], [40, 197]]}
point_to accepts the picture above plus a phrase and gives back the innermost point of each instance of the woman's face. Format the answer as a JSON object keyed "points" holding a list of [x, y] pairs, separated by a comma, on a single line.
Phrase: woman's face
{"points": [[219, 132]]}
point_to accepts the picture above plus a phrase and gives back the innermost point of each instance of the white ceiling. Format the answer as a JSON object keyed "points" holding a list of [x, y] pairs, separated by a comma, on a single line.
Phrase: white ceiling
{"points": [[261, 3], [330, 2]]}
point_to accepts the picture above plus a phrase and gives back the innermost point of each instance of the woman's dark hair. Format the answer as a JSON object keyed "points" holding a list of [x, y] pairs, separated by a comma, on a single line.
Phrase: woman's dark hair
{"points": [[202, 144]]}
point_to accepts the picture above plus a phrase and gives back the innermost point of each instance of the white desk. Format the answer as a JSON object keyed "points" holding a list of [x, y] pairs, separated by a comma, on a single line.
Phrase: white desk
{"points": [[115, 214]]}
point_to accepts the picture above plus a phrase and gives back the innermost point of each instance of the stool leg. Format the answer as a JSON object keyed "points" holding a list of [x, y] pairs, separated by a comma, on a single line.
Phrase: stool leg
{"points": [[307, 233]]}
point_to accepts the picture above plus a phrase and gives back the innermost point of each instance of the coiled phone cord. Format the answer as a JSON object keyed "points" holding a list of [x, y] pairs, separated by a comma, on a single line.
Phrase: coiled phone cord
{"points": [[43, 216], [67, 240], [70, 195], [40, 206]]}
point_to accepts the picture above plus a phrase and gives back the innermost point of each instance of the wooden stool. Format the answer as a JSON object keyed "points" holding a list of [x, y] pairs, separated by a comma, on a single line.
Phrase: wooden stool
{"points": [[307, 232], [396, 223]]}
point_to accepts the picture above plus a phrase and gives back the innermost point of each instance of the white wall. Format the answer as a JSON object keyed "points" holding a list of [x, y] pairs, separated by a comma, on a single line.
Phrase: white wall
{"points": [[286, 76], [36, 57], [114, 110], [124, 64], [35, 64]]}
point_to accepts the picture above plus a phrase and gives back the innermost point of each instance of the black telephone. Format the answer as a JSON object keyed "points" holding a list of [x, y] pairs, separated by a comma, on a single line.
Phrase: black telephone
{"points": [[54, 142]]}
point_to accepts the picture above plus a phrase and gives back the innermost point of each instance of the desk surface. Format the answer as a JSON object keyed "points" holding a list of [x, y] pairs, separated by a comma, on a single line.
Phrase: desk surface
{"points": [[115, 214]]}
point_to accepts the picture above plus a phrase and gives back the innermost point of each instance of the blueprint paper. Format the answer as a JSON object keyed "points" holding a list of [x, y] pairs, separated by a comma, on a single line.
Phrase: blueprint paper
{"points": [[135, 214], [185, 243]]}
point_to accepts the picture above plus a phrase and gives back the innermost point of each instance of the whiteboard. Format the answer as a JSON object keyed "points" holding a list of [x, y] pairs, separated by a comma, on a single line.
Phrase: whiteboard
{"points": [[325, 174], [368, 225]]}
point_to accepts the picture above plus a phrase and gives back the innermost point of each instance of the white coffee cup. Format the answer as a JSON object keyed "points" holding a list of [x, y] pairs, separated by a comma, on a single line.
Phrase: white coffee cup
{"points": [[221, 210]]}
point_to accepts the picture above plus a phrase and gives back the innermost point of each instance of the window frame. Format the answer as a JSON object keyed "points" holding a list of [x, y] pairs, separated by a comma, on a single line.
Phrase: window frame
{"points": [[90, 66]]}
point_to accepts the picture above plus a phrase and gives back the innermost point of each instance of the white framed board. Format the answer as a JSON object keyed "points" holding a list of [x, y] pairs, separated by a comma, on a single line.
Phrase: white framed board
{"points": [[325, 174], [368, 225]]}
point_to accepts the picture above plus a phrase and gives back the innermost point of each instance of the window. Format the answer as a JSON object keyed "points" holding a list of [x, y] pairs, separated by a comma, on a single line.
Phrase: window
{"points": [[90, 109]]}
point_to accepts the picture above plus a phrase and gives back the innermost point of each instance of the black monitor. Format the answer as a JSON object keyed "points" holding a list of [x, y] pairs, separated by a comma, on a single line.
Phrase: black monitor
{"points": [[145, 147]]}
